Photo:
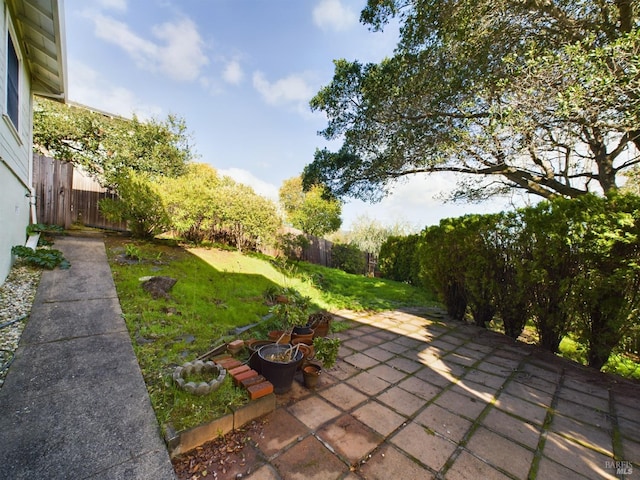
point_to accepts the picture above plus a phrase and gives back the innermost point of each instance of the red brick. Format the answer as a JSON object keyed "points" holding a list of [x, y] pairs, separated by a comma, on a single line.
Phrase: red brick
{"points": [[244, 375], [260, 390], [221, 357], [229, 363], [242, 368], [247, 382], [236, 344]]}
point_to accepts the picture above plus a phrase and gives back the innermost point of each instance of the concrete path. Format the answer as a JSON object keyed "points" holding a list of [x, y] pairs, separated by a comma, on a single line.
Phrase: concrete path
{"points": [[414, 397], [74, 404]]}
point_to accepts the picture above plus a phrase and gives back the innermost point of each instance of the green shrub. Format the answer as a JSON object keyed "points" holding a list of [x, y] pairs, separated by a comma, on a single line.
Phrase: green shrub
{"points": [[348, 257], [41, 257], [398, 259], [139, 204]]}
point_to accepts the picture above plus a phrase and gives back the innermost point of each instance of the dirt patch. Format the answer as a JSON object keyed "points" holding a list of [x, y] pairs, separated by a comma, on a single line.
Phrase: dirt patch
{"points": [[225, 458]]}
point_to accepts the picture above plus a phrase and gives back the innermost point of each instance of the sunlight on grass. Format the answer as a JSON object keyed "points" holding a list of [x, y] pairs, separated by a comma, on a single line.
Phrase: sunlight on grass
{"points": [[217, 291]]}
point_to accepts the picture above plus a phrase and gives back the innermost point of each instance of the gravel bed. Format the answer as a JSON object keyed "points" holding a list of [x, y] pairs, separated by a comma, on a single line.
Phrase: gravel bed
{"points": [[16, 298]]}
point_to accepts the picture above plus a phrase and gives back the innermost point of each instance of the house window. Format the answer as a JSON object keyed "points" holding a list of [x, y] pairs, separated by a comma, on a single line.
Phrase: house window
{"points": [[13, 76]]}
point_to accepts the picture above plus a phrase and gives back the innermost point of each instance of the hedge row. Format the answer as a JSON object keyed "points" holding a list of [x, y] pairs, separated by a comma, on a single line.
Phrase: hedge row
{"points": [[571, 266]]}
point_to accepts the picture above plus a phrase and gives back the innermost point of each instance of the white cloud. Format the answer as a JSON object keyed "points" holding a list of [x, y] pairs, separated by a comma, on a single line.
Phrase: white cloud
{"points": [[333, 15], [259, 186], [292, 90], [178, 52], [88, 87], [233, 73], [119, 5]]}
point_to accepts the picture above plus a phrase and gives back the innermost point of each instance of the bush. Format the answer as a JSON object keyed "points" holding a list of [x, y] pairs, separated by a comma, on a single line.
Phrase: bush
{"points": [[348, 257], [139, 204], [399, 261]]}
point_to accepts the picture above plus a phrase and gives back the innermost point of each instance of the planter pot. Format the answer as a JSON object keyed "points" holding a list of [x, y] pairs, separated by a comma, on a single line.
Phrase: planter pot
{"points": [[279, 336], [311, 374], [279, 373], [302, 335], [307, 352], [321, 324], [254, 360]]}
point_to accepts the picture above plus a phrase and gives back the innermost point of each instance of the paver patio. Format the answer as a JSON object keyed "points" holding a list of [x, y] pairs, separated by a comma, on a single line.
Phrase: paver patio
{"points": [[417, 396]]}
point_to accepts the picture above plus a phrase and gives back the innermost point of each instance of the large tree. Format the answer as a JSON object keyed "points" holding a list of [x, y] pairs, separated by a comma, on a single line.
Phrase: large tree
{"points": [[311, 211], [107, 145], [540, 96]]}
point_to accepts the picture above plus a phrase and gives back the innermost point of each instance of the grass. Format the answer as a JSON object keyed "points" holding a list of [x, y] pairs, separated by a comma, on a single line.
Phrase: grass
{"points": [[218, 290]]}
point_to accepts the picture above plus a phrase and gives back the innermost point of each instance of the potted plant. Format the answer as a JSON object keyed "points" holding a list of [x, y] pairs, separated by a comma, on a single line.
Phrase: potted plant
{"points": [[292, 317], [326, 351], [279, 365], [320, 322]]}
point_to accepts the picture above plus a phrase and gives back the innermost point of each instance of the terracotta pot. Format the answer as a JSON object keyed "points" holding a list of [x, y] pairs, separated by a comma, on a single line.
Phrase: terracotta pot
{"points": [[311, 374], [279, 336]]}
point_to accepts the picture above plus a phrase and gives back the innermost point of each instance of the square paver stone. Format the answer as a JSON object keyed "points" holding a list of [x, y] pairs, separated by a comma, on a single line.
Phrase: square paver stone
{"points": [[343, 370], [388, 463], [467, 406], [279, 430], [390, 374], [361, 361], [518, 430], [578, 458], [429, 448], [523, 409], [468, 467], [368, 383], [409, 365], [379, 418], [350, 438], [343, 396], [394, 347], [401, 401], [420, 388], [597, 438], [309, 460], [379, 354], [313, 411], [529, 393], [447, 424], [501, 452]]}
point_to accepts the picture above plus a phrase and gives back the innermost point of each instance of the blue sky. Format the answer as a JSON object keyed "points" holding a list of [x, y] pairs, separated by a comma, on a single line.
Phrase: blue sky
{"points": [[241, 73]]}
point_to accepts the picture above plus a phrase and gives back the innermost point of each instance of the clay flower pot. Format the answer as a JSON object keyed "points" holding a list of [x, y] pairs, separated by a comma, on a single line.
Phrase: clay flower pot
{"points": [[311, 374], [280, 336], [302, 335]]}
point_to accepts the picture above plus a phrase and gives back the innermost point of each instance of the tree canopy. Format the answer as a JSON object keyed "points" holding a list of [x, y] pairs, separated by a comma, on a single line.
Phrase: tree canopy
{"points": [[310, 211], [541, 97], [107, 145]]}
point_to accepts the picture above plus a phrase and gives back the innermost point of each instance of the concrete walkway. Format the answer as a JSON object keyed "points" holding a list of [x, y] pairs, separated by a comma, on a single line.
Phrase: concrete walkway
{"points": [[414, 397], [74, 404]]}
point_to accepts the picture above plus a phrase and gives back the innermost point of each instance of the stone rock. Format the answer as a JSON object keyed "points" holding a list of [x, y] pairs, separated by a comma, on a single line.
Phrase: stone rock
{"points": [[159, 286]]}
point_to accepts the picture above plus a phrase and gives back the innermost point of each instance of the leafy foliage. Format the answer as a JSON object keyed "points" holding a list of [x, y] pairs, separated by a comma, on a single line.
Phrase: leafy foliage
{"points": [[139, 204], [516, 95], [310, 210], [105, 145], [348, 257], [41, 257]]}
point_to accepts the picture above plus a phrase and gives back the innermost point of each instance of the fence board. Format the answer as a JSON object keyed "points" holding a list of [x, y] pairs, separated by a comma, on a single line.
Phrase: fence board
{"points": [[53, 184]]}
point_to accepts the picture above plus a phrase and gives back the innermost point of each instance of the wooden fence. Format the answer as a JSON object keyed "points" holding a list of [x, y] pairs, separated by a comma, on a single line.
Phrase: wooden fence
{"points": [[53, 184], [65, 195]]}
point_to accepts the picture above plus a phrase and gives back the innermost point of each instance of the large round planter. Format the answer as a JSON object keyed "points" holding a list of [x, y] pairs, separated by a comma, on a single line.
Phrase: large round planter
{"points": [[280, 374], [253, 346]]}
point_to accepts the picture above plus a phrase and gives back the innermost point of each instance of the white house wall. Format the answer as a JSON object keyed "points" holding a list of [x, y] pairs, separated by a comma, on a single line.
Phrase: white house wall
{"points": [[15, 156]]}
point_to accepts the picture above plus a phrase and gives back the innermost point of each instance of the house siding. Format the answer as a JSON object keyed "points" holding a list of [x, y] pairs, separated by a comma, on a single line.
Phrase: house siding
{"points": [[15, 155]]}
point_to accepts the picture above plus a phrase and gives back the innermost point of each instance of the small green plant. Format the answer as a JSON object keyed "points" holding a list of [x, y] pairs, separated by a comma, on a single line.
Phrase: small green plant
{"points": [[292, 310], [326, 350], [43, 228], [132, 251], [41, 257]]}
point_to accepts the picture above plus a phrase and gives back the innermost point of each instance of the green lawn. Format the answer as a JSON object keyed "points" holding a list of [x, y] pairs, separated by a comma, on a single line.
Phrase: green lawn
{"points": [[218, 290]]}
